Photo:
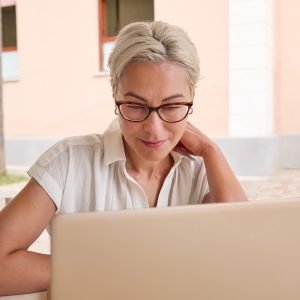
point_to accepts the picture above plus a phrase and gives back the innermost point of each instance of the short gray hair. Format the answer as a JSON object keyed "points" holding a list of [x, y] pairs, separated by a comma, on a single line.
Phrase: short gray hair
{"points": [[154, 42]]}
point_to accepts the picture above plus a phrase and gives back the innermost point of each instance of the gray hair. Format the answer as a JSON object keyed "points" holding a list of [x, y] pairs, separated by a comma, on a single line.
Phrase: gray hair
{"points": [[154, 42]]}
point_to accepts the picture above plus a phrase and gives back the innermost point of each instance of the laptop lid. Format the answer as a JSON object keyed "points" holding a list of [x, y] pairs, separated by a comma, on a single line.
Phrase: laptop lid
{"points": [[214, 251]]}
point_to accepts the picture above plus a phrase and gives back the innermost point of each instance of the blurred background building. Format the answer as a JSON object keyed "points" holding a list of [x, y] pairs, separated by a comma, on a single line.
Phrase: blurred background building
{"points": [[56, 81]]}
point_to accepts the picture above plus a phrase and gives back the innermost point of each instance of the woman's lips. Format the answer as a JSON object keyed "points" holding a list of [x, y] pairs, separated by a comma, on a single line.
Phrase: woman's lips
{"points": [[153, 144]]}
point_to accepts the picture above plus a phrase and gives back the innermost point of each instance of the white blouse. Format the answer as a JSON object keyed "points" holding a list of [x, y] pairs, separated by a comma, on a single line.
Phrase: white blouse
{"points": [[88, 173]]}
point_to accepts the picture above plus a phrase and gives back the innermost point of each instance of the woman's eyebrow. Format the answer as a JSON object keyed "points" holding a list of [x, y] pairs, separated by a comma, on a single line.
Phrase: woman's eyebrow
{"points": [[172, 97], [131, 94]]}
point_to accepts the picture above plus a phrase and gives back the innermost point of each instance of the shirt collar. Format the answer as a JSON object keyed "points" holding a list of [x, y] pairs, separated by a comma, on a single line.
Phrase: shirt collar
{"points": [[178, 157], [113, 144]]}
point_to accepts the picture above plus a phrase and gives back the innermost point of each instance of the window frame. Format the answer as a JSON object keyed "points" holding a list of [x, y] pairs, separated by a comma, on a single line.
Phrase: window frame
{"points": [[103, 37], [10, 3]]}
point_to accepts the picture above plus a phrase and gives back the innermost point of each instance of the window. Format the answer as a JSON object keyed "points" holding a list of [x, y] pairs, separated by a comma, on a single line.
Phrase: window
{"points": [[114, 15], [9, 32], [9, 40]]}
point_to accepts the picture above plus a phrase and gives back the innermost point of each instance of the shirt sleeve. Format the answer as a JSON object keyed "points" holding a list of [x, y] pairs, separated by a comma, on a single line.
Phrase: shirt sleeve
{"points": [[50, 172]]}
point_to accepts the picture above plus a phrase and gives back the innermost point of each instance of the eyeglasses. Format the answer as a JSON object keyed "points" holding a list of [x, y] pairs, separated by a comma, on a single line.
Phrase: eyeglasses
{"points": [[171, 112]]}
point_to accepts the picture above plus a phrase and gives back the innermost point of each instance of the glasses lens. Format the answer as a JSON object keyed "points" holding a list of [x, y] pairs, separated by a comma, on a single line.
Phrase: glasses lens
{"points": [[133, 112], [174, 112]]}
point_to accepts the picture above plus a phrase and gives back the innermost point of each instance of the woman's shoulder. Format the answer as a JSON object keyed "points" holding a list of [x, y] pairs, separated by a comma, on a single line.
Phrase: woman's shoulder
{"points": [[81, 140], [74, 144], [83, 146]]}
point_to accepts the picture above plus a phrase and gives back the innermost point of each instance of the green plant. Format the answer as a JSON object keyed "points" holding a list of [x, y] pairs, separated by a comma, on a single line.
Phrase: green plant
{"points": [[12, 178]]}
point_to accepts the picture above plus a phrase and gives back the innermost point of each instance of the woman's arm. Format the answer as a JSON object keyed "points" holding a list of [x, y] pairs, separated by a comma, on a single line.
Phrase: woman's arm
{"points": [[21, 223], [223, 185]]}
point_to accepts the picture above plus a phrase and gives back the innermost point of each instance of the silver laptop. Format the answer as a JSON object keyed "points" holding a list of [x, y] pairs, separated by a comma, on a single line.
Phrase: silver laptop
{"points": [[214, 251]]}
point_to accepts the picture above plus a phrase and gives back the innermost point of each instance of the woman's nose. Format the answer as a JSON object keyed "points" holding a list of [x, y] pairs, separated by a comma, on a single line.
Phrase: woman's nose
{"points": [[153, 122]]}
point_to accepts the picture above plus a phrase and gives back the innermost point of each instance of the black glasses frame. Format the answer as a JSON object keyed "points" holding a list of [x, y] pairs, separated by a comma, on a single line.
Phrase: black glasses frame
{"points": [[151, 109]]}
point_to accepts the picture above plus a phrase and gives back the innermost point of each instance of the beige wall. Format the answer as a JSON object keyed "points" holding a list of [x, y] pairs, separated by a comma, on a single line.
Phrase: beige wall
{"points": [[287, 62], [207, 24], [58, 92]]}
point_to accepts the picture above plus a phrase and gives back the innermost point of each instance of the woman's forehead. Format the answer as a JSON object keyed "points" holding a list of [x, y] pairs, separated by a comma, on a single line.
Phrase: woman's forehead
{"points": [[153, 68], [146, 77]]}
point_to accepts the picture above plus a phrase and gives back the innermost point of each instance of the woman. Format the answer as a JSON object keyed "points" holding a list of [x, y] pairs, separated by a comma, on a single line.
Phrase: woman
{"points": [[150, 155]]}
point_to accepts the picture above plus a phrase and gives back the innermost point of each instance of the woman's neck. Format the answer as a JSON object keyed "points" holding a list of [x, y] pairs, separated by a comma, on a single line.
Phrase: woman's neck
{"points": [[139, 167]]}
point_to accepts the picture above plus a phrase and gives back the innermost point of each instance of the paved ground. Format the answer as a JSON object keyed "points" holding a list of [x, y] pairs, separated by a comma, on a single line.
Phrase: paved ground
{"points": [[283, 185]]}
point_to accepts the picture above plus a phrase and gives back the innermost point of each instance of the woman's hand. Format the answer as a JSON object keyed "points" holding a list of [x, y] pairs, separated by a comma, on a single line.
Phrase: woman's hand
{"points": [[223, 185], [194, 142]]}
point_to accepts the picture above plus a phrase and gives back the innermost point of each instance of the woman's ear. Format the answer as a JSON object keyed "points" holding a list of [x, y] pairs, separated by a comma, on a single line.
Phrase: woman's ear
{"points": [[116, 110]]}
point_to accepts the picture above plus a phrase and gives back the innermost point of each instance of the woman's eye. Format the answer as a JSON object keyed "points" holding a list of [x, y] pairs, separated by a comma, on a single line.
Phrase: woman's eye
{"points": [[171, 107], [135, 106]]}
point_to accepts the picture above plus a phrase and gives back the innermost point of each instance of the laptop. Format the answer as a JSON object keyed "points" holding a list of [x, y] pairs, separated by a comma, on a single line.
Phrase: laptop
{"points": [[213, 251]]}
